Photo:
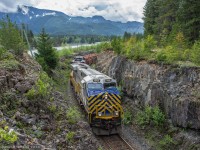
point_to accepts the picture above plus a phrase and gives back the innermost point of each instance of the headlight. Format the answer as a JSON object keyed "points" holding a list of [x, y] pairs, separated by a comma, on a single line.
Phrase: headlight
{"points": [[99, 113], [116, 113], [106, 96]]}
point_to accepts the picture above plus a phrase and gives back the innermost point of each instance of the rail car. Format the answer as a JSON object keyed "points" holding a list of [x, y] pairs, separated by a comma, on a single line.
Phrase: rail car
{"points": [[99, 96]]}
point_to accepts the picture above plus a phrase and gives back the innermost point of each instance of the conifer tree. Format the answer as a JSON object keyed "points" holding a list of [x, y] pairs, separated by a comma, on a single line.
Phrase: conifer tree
{"points": [[10, 36], [47, 55], [189, 19]]}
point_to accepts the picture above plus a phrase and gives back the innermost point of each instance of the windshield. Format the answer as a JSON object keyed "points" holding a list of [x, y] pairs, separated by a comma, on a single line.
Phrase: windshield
{"points": [[109, 85], [95, 86]]}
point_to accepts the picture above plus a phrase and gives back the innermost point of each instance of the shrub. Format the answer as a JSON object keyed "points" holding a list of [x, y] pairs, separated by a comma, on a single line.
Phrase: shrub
{"points": [[73, 115], [7, 136], [41, 89], [31, 94], [52, 108], [70, 136], [103, 46], [127, 119], [117, 45], [144, 117], [7, 55], [170, 55], [8, 101], [9, 64], [158, 117], [149, 43], [66, 52], [2, 51], [196, 53], [166, 142], [150, 115]]}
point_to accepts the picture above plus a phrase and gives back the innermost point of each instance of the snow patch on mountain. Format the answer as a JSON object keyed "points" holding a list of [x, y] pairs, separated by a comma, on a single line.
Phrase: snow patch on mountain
{"points": [[25, 10], [49, 14]]}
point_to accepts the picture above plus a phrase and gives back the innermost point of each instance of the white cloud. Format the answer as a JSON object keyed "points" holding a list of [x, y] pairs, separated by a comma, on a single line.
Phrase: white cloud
{"points": [[11, 6], [116, 10]]}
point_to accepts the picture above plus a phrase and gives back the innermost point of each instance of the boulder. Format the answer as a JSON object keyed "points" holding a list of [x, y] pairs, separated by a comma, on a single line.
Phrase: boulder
{"points": [[23, 87]]}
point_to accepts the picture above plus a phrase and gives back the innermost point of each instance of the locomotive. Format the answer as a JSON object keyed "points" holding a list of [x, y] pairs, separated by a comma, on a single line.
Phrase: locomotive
{"points": [[99, 96]]}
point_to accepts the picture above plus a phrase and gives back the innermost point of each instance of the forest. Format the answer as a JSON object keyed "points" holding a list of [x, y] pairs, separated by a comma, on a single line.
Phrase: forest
{"points": [[171, 34]]}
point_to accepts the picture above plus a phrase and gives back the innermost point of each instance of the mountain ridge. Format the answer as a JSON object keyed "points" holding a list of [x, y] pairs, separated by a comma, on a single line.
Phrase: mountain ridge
{"points": [[59, 23]]}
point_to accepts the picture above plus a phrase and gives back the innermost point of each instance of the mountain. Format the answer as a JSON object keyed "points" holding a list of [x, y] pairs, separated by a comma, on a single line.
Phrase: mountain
{"points": [[58, 23]]}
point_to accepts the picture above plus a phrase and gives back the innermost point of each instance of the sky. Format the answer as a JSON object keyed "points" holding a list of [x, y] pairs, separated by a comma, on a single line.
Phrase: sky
{"points": [[115, 10]]}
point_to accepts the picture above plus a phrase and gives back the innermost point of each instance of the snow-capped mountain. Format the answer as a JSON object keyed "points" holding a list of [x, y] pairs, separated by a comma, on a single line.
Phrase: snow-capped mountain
{"points": [[59, 23]]}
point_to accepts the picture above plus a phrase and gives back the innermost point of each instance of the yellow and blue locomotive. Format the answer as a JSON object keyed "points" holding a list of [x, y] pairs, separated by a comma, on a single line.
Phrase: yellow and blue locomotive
{"points": [[99, 96]]}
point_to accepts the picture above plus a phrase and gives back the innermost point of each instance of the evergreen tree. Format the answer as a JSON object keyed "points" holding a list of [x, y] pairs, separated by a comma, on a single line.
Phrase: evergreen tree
{"points": [[117, 45], [126, 36], [166, 19], [150, 15], [47, 55], [10, 36], [189, 19]]}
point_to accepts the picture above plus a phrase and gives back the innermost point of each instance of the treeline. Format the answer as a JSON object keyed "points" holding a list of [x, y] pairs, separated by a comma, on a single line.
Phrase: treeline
{"points": [[72, 39], [171, 34], [169, 19], [11, 37], [14, 41]]}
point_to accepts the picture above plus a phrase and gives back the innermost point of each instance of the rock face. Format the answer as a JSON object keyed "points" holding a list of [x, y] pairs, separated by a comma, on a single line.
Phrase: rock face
{"points": [[176, 90], [21, 79]]}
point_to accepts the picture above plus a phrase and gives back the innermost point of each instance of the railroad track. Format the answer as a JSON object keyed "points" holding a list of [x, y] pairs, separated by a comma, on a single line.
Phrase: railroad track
{"points": [[115, 142]]}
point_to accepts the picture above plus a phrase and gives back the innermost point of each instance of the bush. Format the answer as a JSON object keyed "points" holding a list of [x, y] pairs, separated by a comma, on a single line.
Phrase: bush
{"points": [[196, 53], [127, 119], [7, 55], [149, 43], [7, 136], [8, 101], [103, 46], [2, 51], [9, 64], [158, 117], [150, 115], [73, 115], [117, 45], [170, 55], [65, 52], [166, 142], [70, 136], [41, 89]]}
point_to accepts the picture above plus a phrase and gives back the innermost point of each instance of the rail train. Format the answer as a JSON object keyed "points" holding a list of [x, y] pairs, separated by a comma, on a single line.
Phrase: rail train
{"points": [[97, 93]]}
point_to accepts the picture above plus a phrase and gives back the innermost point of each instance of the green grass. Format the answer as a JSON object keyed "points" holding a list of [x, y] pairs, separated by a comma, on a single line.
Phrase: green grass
{"points": [[70, 136]]}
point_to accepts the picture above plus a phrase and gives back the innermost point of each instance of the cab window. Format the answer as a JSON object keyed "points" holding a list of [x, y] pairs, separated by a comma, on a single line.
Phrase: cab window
{"points": [[95, 86], [109, 85]]}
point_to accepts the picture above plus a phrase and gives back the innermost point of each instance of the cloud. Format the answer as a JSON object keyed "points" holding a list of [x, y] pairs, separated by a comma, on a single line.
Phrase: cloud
{"points": [[115, 10], [11, 6]]}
